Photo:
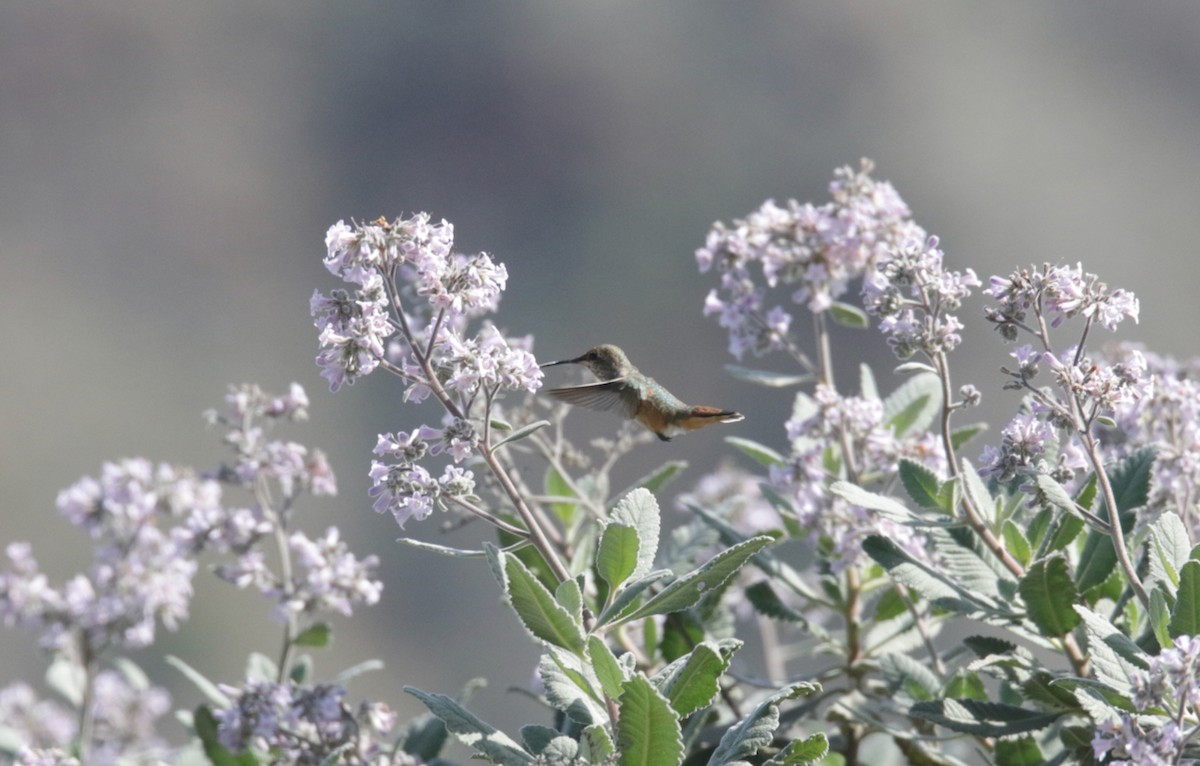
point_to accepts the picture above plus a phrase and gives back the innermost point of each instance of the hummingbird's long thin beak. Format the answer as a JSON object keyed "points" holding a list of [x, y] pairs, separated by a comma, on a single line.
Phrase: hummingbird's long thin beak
{"points": [[560, 361]]}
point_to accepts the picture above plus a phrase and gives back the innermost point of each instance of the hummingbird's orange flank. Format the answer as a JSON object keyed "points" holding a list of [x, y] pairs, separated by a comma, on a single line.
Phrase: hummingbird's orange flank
{"points": [[626, 391]]}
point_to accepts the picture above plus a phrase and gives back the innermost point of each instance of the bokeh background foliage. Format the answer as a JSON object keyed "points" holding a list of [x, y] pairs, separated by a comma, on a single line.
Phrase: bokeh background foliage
{"points": [[167, 173]]}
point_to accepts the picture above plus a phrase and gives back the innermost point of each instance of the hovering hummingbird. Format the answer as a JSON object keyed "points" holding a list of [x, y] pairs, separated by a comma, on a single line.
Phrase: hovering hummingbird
{"points": [[626, 391]]}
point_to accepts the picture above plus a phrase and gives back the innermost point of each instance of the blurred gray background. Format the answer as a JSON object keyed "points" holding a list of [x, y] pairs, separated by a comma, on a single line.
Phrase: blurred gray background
{"points": [[168, 171]]}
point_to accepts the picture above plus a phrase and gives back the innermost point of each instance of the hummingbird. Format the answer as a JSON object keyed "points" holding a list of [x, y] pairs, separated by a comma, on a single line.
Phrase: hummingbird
{"points": [[623, 389]]}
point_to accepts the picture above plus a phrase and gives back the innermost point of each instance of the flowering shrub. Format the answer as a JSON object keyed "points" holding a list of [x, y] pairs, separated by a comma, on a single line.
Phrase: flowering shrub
{"points": [[1040, 604]]}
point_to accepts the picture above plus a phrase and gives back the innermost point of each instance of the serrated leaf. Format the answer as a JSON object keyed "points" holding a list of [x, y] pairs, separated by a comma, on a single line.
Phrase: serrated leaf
{"points": [[605, 664], [1049, 594], [521, 433], [1160, 617], [848, 315], [639, 510], [985, 646], [626, 600], [909, 678], [1185, 616], [936, 586], [538, 610], [1115, 658], [1015, 542], [756, 730], [912, 407], [760, 453], [766, 377], [921, 484], [977, 492], [571, 687], [1056, 494], [648, 731], [570, 597], [695, 682], [687, 590], [209, 689], [764, 600], [802, 752], [1170, 549], [984, 719], [317, 636], [617, 554], [658, 478], [595, 746], [492, 743]]}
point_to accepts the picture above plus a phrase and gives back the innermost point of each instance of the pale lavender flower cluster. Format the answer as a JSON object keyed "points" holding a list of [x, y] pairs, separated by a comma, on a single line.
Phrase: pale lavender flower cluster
{"points": [[409, 313], [857, 424], [408, 279], [815, 251], [405, 488], [1169, 691], [1058, 292], [248, 414], [141, 573], [124, 724], [1167, 417], [327, 576], [306, 724], [913, 295]]}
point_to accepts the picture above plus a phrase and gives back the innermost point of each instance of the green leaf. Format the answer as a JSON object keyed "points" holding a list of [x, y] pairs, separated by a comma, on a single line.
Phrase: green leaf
{"points": [[458, 553], [424, 737], [260, 668], [626, 601], [963, 435], [690, 588], [986, 646], [766, 377], [1115, 658], [571, 687], [608, 669], [492, 743], [867, 388], [937, 586], [908, 678], [639, 510], [693, 683], [570, 597], [760, 453], [1065, 532], [1050, 595], [557, 486], [802, 752], [1055, 494], [921, 484], [648, 731], [1160, 617], [983, 719], [595, 746], [537, 608], [912, 407], [977, 492], [1021, 751], [617, 554], [764, 600], [205, 725], [521, 433], [317, 636], [756, 730], [856, 495], [1185, 617], [1170, 549], [848, 315], [1016, 543], [658, 478]]}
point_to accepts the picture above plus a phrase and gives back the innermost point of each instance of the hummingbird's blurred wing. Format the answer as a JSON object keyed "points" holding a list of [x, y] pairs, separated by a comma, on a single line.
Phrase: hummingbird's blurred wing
{"points": [[607, 396]]}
